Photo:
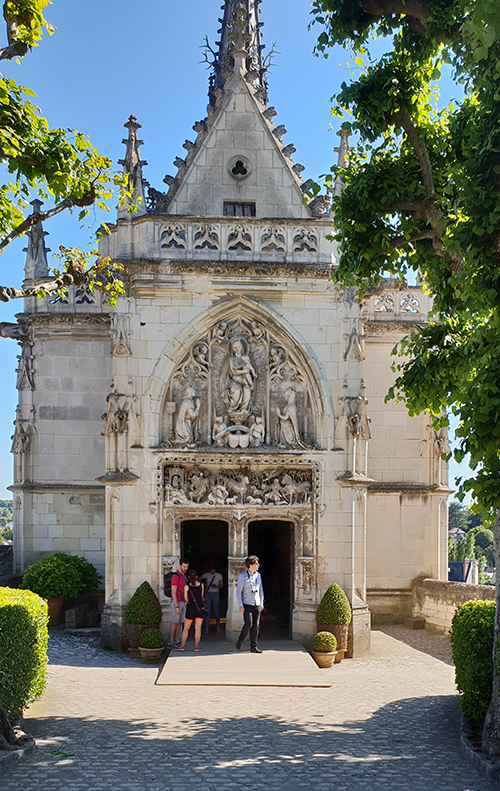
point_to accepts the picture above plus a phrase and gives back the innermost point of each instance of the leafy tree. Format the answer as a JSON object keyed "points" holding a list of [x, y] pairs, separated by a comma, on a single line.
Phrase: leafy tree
{"points": [[421, 192], [56, 165]]}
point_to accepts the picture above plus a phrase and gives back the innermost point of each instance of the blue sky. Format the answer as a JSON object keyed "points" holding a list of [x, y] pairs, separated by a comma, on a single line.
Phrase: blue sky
{"points": [[109, 59]]}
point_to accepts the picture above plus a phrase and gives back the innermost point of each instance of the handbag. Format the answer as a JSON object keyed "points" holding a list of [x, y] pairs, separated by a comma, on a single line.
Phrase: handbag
{"points": [[202, 611]]}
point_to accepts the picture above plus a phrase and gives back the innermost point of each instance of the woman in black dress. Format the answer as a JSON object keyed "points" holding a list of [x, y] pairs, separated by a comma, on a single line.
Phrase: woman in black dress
{"points": [[194, 594]]}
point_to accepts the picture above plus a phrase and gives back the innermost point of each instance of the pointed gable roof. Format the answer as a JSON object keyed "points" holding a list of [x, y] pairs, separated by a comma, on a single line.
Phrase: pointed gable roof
{"points": [[239, 155]]}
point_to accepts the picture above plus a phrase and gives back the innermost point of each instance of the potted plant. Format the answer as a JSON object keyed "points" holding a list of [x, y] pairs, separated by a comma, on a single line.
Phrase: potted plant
{"points": [[143, 610], [151, 645], [334, 615], [324, 645], [59, 578]]}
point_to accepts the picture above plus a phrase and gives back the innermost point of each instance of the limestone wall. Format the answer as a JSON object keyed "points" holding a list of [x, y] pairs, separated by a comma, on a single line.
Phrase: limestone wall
{"points": [[437, 600]]}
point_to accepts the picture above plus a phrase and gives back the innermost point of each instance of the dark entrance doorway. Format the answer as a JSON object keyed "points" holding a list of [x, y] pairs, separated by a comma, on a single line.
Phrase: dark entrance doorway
{"points": [[272, 542], [205, 543]]}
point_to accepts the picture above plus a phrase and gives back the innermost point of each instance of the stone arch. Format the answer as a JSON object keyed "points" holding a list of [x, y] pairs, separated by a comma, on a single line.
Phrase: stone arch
{"points": [[289, 352]]}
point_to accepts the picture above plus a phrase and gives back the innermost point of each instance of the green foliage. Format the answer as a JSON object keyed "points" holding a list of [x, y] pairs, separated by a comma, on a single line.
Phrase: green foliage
{"points": [[151, 638], [334, 607], [464, 549], [61, 575], [421, 192], [324, 641], [23, 648], [472, 650], [463, 518], [59, 166], [144, 607]]}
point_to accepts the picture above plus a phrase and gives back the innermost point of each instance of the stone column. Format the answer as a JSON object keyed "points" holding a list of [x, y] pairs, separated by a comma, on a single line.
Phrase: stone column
{"points": [[238, 551], [359, 635]]}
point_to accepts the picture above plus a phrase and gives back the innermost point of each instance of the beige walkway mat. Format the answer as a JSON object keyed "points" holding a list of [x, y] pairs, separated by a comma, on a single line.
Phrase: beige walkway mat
{"points": [[280, 665]]}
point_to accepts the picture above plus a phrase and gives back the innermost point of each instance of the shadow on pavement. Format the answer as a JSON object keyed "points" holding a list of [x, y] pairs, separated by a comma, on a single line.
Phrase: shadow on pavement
{"points": [[407, 745]]}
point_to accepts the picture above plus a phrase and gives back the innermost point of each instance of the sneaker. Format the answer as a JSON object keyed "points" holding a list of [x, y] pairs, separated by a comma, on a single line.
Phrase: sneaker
{"points": [[197, 648], [180, 648], [173, 645]]}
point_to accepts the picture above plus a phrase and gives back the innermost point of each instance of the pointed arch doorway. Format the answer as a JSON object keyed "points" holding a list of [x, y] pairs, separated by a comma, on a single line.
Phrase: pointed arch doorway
{"points": [[205, 543], [272, 541]]}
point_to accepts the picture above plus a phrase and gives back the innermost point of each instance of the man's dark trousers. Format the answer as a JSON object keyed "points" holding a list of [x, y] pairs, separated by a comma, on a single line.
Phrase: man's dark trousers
{"points": [[251, 620]]}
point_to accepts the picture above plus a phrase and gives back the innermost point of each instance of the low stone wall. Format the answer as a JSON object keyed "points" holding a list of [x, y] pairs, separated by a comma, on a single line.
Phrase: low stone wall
{"points": [[5, 560], [437, 600]]}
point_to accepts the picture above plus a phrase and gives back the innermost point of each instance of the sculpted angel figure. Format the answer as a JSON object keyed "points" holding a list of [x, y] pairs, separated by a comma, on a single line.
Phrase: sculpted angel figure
{"points": [[240, 378], [187, 417], [288, 430]]}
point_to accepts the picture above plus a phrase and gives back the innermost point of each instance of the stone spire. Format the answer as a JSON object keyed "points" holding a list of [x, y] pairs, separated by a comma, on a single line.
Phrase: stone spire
{"points": [[240, 32], [133, 164], [36, 267]]}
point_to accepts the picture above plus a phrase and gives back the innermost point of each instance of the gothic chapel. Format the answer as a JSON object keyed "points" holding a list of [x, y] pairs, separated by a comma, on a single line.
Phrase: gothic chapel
{"points": [[233, 400]]}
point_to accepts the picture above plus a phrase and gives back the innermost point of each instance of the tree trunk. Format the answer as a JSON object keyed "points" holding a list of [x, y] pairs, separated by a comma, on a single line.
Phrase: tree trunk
{"points": [[491, 730], [8, 740]]}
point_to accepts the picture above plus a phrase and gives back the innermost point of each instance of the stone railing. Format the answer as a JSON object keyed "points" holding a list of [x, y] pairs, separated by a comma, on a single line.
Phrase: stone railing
{"points": [[437, 600], [244, 238], [409, 305], [78, 299]]}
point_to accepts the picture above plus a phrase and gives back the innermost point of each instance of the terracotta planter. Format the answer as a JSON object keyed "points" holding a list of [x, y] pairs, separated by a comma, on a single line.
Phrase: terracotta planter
{"points": [[151, 654], [134, 631], [57, 608], [324, 658]]}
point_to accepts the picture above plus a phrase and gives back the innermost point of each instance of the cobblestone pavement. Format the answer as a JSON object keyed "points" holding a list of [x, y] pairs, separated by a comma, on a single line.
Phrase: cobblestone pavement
{"points": [[388, 722]]}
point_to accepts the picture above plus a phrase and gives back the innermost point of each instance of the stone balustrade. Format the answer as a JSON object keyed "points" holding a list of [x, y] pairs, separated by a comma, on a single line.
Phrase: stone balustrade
{"points": [[391, 305], [437, 600]]}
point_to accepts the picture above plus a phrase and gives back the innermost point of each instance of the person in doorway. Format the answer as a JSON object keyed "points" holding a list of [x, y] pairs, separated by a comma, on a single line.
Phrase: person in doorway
{"points": [[250, 598], [213, 583], [178, 603], [195, 610]]}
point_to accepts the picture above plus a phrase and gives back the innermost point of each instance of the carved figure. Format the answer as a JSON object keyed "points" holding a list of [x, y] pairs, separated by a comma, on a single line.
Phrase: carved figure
{"points": [[357, 419], [288, 432], [258, 432], [295, 491], [221, 332], [218, 495], [198, 486], [238, 488], [274, 494], [240, 378], [187, 417], [258, 331], [219, 433]]}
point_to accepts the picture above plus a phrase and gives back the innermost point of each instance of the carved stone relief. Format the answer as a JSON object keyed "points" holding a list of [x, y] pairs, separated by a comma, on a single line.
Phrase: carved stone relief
{"points": [[24, 431], [355, 347], [206, 237], [354, 411], [305, 240], [173, 236], [238, 387], [240, 238], [236, 487], [121, 429], [121, 335]]}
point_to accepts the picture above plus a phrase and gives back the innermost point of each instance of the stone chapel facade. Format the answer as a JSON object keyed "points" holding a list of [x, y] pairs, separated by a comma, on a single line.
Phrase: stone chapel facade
{"points": [[233, 384]]}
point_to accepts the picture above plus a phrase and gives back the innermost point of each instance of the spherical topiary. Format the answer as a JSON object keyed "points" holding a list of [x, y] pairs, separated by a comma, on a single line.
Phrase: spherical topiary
{"points": [[334, 607], [151, 638], [324, 641], [472, 651], [144, 607]]}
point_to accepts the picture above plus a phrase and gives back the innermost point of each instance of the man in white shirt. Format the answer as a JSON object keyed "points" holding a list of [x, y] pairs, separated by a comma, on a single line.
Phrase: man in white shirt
{"points": [[250, 597], [213, 583]]}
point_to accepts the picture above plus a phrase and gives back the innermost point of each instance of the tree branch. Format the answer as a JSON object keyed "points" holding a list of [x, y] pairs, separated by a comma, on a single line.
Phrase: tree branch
{"points": [[86, 200], [401, 117], [412, 8]]}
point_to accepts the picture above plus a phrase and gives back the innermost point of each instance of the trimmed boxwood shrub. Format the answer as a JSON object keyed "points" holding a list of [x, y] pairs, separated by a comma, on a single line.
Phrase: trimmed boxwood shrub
{"points": [[144, 607], [23, 648], [324, 641], [61, 575], [151, 638], [334, 607], [472, 650]]}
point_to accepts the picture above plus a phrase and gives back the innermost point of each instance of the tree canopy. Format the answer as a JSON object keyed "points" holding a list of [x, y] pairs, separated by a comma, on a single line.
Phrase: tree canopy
{"points": [[59, 166], [421, 193]]}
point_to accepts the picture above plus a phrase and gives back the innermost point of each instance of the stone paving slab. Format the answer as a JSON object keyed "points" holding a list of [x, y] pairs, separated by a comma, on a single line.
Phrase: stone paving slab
{"points": [[284, 664], [389, 722]]}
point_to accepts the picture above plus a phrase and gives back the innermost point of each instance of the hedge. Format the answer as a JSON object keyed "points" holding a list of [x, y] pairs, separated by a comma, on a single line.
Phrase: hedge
{"points": [[61, 575], [334, 607], [472, 650], [23, 648]]}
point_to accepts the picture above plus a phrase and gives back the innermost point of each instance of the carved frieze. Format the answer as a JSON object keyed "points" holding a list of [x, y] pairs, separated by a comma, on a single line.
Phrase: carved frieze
{"points": [[219, 486], [238, 387]]}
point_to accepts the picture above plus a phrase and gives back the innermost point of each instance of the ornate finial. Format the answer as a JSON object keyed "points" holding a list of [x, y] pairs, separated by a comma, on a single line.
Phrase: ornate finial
{"points": [[133, 164], [240, 41], [36, 267], [343, 155]]}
